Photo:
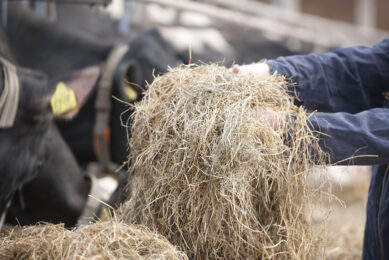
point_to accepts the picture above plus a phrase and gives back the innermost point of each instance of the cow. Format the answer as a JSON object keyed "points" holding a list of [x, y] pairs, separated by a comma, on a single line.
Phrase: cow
{"points": [[25, 120], [66, 202], [22, 146], [54, 49]]}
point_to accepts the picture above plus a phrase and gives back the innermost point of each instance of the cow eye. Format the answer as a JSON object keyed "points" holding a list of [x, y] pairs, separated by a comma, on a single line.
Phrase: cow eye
{"points": [[40, 163]]}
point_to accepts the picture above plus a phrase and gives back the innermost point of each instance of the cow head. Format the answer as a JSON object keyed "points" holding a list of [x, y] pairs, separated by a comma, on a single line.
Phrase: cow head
{"points": [[22, 150], [58, 194]]}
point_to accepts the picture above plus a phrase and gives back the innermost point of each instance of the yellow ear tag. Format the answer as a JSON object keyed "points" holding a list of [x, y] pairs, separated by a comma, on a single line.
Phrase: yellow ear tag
{"points": [[131, 93], [105, 214], [63, 99]]}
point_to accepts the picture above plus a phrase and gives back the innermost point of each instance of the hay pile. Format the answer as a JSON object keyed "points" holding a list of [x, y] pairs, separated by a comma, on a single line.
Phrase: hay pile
{"points": [[210, 174], [105, 240]]}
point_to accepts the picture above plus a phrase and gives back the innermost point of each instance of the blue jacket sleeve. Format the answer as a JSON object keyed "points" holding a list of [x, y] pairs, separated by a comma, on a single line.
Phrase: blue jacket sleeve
{"points": [[350, 84], [355, 139], [346, 80]]}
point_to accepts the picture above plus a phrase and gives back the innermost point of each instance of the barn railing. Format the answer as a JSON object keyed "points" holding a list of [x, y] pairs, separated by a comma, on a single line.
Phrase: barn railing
{"points": [[279, 22]]}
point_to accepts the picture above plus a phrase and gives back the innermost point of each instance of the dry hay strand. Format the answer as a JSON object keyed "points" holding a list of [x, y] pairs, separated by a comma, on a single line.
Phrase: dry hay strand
{"points": [[103, 240], [210, 173]]}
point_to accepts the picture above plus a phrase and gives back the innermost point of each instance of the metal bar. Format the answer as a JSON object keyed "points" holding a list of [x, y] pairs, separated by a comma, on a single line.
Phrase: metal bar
{"points": [[366, 12], [4, 13], [289, 24], [103, 106], [52, 11], [40, 8], [293, 5], [287, 16], [276, 2], [83, 2], [283, 24], [124, 20], [264, 24]]}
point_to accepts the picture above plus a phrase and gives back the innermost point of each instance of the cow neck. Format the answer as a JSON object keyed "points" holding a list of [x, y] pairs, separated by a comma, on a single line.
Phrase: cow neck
{"points": [[9, 97]]}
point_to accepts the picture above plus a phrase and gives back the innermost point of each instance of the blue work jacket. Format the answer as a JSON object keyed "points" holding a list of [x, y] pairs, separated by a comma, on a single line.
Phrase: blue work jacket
{"points": [[349, 88]]}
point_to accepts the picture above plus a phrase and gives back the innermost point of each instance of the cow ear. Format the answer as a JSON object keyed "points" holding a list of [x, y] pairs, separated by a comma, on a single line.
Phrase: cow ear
{"points": [[129, 81], [73, 92]]}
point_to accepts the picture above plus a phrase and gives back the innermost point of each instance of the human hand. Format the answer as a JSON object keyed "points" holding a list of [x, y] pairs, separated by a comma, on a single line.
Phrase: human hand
{"points": [[276, 120], [260, 69]]}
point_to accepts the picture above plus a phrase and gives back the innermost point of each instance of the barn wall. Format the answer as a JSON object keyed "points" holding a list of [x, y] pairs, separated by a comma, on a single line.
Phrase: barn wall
{"points": [[342, 10], [383, 14]]}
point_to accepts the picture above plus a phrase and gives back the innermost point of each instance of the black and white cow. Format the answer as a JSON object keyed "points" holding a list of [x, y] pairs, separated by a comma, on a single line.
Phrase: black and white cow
{"points": [[67, 200], [26, 125], [55, 49]]}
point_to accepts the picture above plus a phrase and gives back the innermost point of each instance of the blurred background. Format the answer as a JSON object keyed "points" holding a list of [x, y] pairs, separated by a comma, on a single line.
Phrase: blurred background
{"points": [[244, 31], [228, 30]]}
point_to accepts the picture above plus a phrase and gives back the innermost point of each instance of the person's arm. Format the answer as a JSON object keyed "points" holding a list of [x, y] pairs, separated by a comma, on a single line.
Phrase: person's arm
{"points": [[355, 139], [346, 80]]}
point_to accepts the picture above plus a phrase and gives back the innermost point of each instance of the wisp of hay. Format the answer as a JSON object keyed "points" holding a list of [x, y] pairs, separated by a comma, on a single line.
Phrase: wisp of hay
{"points": [[104, 240], [211, 174]]}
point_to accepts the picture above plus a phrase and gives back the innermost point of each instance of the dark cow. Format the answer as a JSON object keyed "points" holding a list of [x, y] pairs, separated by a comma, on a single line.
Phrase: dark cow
{"points": [[54, 49], [24, 147], [66, 200]]}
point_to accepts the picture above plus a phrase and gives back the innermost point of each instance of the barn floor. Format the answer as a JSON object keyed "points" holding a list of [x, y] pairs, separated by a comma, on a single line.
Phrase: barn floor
{"points": [[346, 219]]}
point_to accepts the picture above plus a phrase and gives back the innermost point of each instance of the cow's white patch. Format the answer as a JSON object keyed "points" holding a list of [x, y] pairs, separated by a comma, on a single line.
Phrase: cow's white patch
{"points": [[115, 8], [194, 19], [197, 39], [102, 189], [161, 15]]}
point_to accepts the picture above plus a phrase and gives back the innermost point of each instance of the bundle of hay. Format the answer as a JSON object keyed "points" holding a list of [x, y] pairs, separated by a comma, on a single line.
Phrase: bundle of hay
{"points": [[211, 174], [105, 240]]}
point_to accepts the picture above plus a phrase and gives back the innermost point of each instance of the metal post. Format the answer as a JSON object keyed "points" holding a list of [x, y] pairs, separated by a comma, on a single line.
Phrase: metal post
{"points": [[52, 11], [366, 12], [293, 5], [276, 2], [4, 7], [124, 21], [40, 8]]}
